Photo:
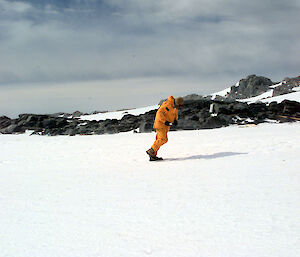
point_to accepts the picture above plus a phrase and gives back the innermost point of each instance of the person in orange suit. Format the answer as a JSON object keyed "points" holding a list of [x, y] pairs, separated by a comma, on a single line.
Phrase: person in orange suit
{"points": [[166, 116]]}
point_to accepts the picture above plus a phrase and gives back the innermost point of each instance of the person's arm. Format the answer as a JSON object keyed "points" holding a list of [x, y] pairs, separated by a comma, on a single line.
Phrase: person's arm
{"points": [[161, 116]]}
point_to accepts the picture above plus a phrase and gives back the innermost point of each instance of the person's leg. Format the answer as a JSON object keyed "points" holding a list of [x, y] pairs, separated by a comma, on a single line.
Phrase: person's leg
{"points": [[161, 139]]}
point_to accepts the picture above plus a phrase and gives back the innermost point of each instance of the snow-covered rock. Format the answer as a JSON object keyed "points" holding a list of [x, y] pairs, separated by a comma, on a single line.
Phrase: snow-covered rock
{"points": [[245, 88], [262, 90]]}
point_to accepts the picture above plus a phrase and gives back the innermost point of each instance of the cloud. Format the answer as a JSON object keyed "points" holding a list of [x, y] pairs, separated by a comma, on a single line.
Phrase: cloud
{"points": [[113, 39], [212, 42], [14, 7]]}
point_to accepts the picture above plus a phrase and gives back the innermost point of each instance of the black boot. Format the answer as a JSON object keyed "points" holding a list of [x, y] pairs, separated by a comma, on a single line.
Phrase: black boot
{"points": [[151, 153], [155, 159]]}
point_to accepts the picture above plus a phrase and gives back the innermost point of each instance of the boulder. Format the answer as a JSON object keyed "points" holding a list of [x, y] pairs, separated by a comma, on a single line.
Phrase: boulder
{"points": [[61, 122], [187, 125], [239, 107], [11, 129], [220, 98], [77, 114], [71, 132], [146, 127], [282, 90], [291, 108], [249, 87], [214, 122], [287, 86], [4, 122], [49, 123], [221, 108], [28, 120], [193, 97]]}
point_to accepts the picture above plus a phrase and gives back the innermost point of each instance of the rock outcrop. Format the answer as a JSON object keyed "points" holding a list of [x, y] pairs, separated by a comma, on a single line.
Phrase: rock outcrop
{"points": [[287, 86], [4, 122], [249, 87], [199, 112], [196, 114]]}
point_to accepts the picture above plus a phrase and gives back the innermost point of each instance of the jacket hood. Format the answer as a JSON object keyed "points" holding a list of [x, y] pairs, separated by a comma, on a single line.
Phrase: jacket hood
{"points": [[171, 99]]}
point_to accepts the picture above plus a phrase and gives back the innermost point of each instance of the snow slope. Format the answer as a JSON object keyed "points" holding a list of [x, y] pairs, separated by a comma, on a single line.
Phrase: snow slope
{"points": [[225, 192], [223, 92], [262, 97], [291, 96], [118, 114], [267, 96]]}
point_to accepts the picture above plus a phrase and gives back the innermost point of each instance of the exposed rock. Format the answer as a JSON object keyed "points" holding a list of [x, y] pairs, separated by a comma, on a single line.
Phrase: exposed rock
{"points": [[291, 108], [220, 98], [4, 122], [249, 87], [295, 82], [49, 123], [11, 129], [215, 122], [77, 114], [196, 114], [287, 86], [193, 97], [60, 114], [146, 127]]}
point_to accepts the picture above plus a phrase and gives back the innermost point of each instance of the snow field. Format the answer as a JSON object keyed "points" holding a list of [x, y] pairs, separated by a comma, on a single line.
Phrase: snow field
{"points": [[119, 114], [225, 192]]}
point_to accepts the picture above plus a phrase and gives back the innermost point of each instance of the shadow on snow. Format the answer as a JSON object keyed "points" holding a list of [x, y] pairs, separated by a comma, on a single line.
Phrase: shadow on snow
{"points": [[208, 156]]}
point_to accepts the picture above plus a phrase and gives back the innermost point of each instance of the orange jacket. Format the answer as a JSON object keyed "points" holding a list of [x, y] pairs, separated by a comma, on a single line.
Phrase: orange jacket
{"points": [[166, 112]]}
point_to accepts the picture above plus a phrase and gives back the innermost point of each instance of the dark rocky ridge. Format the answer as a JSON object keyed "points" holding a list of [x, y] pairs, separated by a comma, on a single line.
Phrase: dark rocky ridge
{"points": [[199, 112], [196, 114]]}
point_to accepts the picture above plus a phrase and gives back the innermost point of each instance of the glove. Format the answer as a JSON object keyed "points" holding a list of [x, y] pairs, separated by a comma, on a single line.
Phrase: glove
{"points": [[175, 122], [168, 123]]}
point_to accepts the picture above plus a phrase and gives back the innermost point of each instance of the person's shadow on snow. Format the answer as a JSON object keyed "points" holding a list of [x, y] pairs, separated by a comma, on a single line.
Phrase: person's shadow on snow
{"points": [[202, 156]]}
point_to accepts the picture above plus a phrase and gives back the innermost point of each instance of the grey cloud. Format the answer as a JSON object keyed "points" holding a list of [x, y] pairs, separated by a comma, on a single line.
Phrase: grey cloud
{"points": [[164, 35], [213, 42]]}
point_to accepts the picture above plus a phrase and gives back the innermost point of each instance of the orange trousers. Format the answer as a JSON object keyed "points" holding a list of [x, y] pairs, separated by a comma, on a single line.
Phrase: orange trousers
{"points": [[161, 138]]}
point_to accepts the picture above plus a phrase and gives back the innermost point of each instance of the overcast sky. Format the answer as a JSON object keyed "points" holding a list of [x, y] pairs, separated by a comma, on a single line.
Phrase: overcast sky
{"points": [[87, 55]]}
